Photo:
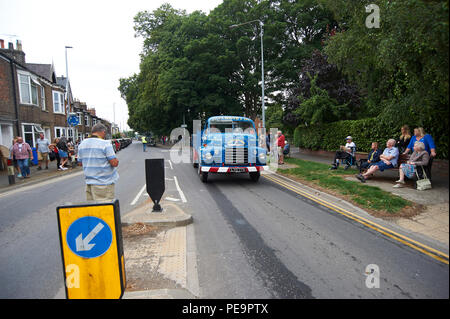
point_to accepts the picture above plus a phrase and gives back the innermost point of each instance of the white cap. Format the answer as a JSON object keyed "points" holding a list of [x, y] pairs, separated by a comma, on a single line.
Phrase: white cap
{"points": [[349, 138]]}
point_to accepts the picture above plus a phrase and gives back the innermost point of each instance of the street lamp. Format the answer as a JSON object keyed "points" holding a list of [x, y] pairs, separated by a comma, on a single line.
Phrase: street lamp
{"points": [[261, 24], [67, 92]]}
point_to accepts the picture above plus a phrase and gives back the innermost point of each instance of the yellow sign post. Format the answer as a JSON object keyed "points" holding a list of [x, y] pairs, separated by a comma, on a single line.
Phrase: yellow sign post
{"points": [[92, 250]]}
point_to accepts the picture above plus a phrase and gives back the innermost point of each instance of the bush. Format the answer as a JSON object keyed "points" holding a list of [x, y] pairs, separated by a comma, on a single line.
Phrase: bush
{"points": [[330, 136]]}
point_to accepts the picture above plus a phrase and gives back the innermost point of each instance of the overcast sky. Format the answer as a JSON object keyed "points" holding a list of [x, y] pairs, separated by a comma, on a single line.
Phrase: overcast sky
{"points": [[101, 34]]}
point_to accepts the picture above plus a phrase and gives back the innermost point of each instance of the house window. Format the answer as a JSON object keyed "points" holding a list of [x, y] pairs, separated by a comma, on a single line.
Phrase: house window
{"points": [[60, 131], [86, 120], [79, 119], [28, 89], [43, 98], [31, 133], [34, 93], [24, 83], [6, 135], [58, 102]]}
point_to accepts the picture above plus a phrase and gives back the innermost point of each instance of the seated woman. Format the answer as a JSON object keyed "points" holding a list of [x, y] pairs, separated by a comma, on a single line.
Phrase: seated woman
{"points": [[419, 157], [373, 157]]}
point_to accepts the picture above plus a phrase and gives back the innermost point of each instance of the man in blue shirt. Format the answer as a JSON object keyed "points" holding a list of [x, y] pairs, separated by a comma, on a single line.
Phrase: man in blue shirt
{"points": [[388, 160], [99, 163]]}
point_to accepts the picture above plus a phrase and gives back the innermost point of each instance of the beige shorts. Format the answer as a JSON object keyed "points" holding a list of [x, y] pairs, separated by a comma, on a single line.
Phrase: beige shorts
{"points": [[280, 151], [42, 156], [100, 192]]}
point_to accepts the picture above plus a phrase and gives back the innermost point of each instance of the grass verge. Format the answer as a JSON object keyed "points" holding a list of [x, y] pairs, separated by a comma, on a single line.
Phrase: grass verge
{"points": [[371, 198]]}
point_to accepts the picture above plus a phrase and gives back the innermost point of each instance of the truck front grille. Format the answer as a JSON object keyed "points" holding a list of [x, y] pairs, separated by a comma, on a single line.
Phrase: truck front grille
{"points": [[235, 155]]}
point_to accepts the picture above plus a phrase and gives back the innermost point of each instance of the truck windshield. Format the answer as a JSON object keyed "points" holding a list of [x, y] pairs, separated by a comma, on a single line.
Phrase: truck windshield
{"points": [[232, 127]]}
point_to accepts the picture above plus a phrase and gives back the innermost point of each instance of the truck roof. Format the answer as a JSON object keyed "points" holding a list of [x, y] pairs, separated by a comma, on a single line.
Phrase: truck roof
{"points": [[227, 118]]}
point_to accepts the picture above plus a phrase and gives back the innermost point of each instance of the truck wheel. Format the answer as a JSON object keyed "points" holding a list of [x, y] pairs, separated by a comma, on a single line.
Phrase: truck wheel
{"points": [[254, 176], [203, 175]]}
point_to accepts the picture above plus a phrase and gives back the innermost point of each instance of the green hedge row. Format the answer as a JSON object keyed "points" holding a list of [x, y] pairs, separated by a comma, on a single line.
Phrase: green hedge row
{"points": [[365, 131]]}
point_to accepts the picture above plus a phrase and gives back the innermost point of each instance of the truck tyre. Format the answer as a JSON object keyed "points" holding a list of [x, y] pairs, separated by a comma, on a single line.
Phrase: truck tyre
{"points": [[203, 175], [254, 176]]}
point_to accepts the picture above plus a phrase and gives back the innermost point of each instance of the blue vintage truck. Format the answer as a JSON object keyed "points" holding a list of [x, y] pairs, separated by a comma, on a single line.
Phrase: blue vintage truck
{"points": [[228, 144]]}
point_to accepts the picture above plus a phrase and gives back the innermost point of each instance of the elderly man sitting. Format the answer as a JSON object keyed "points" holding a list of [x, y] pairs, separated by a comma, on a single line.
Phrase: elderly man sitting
{"points": [[388, 160]]}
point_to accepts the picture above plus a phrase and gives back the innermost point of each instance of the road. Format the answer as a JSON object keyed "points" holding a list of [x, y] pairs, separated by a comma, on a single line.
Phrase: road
{"points": [[253, 240]]}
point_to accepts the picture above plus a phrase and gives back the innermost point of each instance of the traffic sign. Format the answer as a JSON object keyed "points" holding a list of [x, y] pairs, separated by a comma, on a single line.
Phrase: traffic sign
{"points": [[73, 120], [92, 250], [89, 237]]}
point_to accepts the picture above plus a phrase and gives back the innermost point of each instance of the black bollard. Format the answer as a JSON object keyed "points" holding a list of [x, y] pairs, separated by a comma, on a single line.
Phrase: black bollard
{"points": [[154, 176]]}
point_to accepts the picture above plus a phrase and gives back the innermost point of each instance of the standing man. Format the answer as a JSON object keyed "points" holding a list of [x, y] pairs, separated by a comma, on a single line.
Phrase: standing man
{"points": [[23, 153], [144, 142], [42, 145], [281, 141], [99, 164]]}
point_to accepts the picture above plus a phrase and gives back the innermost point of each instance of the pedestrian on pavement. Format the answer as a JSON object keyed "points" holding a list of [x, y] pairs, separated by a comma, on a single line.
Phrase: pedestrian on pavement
{"points": [[53, 148], [281, 141], [144, 143], [63, 151], [13, 158], [99, 162], [23, 153], [42, 149]]}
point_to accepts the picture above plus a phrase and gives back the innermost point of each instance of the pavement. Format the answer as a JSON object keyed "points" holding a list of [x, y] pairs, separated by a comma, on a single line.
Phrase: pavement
{"points": [[433, 221]]}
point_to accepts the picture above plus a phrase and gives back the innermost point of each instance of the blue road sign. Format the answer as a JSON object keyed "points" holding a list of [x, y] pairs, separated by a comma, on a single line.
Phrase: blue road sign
{"points": [[89, 237], [73, 120]]}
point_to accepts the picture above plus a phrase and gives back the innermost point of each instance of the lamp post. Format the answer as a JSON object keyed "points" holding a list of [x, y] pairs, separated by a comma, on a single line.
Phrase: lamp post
{"points": [[67, 92], [261, 24]]}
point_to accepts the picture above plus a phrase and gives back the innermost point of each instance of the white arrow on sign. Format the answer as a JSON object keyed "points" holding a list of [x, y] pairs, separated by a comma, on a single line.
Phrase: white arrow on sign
{"points": [[83, 244]]}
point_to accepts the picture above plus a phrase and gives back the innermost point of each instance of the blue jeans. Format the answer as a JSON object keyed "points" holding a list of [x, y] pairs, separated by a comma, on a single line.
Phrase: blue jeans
{"points": [[145, 145], [24, 168]]}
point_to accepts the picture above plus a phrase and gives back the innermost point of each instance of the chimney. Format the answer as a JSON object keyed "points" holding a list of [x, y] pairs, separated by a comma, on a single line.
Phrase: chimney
{"points": [[16, 54]]}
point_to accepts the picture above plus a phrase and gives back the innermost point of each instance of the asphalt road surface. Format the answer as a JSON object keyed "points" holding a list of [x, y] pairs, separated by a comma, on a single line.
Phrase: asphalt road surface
{"points": [[253, 240]]}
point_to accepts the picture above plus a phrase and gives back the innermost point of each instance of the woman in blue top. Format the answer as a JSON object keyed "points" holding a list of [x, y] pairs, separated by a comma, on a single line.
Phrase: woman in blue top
{"points": [[421, 136]]}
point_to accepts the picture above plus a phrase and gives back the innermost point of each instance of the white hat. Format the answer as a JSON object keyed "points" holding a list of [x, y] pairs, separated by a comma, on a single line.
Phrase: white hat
{"points": [[349, 138]]}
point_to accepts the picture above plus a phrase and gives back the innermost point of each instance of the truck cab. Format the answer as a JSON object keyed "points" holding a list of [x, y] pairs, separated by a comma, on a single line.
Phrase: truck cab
{"points": [[228, 145]]}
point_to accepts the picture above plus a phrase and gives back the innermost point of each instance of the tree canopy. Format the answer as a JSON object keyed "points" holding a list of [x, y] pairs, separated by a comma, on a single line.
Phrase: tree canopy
{"points": [[322, 63]]}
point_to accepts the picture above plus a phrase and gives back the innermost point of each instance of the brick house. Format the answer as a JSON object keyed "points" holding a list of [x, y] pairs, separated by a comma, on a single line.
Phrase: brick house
{"points": [[33, 100]]}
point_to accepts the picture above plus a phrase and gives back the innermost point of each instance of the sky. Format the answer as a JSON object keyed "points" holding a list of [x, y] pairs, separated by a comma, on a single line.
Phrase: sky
{"points": [[101, 34]]}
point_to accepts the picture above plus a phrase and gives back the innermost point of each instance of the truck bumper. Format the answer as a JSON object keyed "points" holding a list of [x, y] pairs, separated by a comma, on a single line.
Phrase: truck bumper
{"points": [[232, 169]]}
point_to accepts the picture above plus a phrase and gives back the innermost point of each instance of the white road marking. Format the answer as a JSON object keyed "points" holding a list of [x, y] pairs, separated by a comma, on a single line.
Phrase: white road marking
{"points": [[172, 199], [138, 195], [170, 162], [183, 198]]}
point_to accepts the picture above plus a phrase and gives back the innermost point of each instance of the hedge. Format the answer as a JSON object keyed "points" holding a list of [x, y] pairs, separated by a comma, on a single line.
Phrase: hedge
{"points": [[330, 136]]}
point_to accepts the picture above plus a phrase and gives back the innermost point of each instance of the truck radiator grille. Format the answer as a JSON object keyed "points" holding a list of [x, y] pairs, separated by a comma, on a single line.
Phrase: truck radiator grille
{"points": [[235, 155]]}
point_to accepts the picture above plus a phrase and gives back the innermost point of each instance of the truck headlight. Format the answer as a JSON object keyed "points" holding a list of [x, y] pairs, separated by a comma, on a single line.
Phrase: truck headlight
{"points": [[208, 156], [262, 157]]}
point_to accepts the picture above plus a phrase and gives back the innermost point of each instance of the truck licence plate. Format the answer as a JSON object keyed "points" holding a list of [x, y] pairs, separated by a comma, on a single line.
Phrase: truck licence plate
{"points": [[237, 169]]}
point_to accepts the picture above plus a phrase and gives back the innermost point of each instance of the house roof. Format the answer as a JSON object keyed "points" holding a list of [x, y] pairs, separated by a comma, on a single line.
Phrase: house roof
{"points": [[44, 70]]}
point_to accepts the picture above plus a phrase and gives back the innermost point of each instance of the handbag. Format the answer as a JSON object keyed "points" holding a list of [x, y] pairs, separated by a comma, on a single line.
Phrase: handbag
{"points": [[52, 155], [423, 184]]}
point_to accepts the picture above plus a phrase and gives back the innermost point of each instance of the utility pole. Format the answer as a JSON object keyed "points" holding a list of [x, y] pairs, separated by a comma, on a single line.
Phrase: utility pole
{"points": [[261, 24]]}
